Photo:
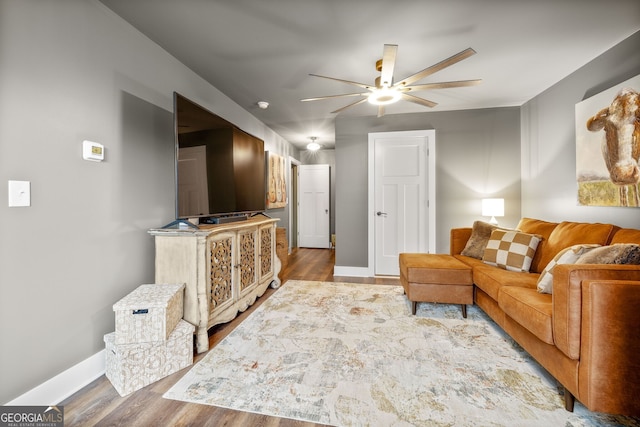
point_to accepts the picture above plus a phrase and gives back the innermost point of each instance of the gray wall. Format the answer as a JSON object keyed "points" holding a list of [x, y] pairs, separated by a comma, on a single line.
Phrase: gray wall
{"points": [[549, 189], [72, 70], [477, 155]]}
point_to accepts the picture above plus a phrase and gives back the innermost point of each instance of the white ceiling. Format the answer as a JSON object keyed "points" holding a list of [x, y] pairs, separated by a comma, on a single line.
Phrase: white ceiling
{"points": [[264, 50]]}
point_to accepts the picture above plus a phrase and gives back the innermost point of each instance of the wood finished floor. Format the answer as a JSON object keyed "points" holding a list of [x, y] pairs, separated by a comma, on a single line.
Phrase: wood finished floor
{"points": [[98, 404]]}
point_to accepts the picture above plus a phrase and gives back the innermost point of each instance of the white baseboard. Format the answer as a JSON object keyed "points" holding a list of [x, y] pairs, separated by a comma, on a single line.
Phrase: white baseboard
{"points": [[63, 385], [352, 271]]}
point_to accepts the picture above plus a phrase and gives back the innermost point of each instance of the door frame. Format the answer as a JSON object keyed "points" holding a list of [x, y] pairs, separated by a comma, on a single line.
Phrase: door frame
{"points": [[293, 203], [430, 134]]}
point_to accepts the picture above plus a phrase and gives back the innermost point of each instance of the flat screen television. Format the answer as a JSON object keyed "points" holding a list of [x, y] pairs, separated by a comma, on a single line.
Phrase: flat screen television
{"points": [[219, 168]]}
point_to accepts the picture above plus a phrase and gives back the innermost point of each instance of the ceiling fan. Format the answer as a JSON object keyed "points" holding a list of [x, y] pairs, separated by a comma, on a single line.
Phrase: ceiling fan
{"points": [[385, 91]]}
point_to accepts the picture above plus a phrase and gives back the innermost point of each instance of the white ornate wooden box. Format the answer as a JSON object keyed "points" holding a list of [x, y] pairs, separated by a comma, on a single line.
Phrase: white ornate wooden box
{"points": [[130, 367], [148, 314]]}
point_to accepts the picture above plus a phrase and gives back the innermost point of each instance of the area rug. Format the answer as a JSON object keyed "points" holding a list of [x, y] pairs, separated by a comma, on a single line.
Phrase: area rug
{"points": [[348, 354]]}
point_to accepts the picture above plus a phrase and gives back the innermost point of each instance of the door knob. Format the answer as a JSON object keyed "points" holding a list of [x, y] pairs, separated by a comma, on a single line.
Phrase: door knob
{"points": [[381, 213]]}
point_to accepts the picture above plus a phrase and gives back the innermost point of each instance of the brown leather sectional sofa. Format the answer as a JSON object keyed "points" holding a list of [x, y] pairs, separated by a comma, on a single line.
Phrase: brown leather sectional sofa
{"points": [[587, 332]]}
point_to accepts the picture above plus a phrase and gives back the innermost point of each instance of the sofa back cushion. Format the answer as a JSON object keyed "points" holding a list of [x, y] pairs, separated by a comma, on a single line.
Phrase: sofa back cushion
{"points": [[539, 228], [626, 235], [574, 233]]}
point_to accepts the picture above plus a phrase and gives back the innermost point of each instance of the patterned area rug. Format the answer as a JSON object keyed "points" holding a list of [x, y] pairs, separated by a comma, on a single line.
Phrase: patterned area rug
{"points": [[352, 355]]}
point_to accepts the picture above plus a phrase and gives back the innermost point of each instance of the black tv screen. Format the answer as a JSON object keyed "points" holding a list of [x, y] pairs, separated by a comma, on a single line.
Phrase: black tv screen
{"points": [[219, 168]]}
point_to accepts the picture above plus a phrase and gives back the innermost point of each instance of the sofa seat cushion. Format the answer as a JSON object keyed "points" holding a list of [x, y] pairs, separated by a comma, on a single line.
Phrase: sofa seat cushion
{"points": [[471, 262], [490, 279], [434, 268], [531, 309]]}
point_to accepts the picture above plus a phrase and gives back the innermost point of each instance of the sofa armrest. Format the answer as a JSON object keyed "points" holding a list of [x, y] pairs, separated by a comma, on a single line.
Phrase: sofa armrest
{"points": [[569, 285], [458, 239], [609, 375]]}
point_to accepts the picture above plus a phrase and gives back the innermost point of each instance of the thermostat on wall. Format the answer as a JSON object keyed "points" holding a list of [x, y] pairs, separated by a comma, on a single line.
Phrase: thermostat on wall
{"points": [[92, 151]]}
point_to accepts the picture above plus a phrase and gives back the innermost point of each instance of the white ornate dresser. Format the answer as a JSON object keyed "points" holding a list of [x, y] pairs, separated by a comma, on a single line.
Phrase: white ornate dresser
{"points": [[224, 268]]}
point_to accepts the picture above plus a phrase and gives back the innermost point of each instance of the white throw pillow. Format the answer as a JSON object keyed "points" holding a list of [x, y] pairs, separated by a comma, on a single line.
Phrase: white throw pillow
{"points": [[566, 256]]}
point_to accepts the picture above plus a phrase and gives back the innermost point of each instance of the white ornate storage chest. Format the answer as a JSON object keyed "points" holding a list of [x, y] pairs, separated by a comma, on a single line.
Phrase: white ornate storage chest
{"points": [[148, 314], [130, 367]]}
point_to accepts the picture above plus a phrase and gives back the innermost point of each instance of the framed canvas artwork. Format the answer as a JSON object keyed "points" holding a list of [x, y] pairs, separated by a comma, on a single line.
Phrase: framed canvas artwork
{"points": [[608, 146], [276, 182]]}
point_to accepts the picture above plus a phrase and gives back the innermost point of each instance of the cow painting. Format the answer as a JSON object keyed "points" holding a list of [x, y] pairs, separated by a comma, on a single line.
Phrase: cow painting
{"points": [[620, 122]]}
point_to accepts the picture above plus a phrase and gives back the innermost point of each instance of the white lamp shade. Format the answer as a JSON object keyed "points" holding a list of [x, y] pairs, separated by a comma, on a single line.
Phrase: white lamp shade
{"points": [[492, 207]]}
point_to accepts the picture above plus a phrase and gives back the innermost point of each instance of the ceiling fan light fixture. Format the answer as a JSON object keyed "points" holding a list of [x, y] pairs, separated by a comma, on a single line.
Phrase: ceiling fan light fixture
{"points": [[385, 91], [313, 145], [384, 96]]}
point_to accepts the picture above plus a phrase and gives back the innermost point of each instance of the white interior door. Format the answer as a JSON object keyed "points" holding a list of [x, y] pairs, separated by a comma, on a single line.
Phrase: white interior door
{"points": [[401, 197], [192, 179], [313, 206]]}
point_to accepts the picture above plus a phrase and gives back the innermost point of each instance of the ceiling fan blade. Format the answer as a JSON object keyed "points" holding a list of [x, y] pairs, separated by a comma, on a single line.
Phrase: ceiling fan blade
{"points": [[437, 67], [335, 96], [442, 85], [380, 110], [362, 85], [421, 101], [350, 105], [388, 64]]}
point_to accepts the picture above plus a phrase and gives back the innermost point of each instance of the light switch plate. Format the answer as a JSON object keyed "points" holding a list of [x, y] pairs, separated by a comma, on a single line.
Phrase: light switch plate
{"points": [[19, 193]]}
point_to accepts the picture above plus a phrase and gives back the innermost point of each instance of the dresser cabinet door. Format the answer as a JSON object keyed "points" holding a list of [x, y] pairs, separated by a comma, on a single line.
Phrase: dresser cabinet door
{"points": [[247, 259], [266, 250], [221, 259]]}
